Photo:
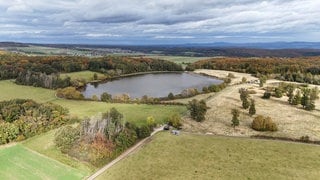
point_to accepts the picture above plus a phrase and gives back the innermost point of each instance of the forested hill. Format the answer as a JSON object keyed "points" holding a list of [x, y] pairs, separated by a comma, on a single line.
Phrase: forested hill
{"points": [[304, 70], [44, 71], [277, 49]]}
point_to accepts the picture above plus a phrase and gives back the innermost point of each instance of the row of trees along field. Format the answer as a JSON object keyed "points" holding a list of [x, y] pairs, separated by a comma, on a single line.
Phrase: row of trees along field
{"points": [[20, 119], [101, 138], [44, 71], [305, 70]]}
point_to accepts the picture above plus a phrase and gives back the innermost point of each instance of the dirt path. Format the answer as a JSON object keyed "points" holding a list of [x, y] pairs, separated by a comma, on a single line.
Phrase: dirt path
{"points": [[124, 155]]}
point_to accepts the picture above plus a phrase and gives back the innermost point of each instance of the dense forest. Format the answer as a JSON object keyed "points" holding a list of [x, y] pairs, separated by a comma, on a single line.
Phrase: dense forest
{"points": [[305, 70], [43, 71], [20, 119]]}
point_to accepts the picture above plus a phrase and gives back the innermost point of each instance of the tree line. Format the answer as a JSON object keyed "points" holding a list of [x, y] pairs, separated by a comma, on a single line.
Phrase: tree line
{"points": [[306, 70], [43, 71]]}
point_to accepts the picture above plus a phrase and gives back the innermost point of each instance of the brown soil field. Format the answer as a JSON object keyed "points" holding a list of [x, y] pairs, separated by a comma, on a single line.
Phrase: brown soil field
{"points": [[292, 121]]}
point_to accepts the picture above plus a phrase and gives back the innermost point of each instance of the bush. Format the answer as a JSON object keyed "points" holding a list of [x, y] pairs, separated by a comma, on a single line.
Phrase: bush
{"points": [[66, 137], [106, 97], [69, 93], [175, 121], [244, 80], [227, 80], [261, 123], [170, 96], [143, 131], [231, 75], [278, 92], [305, 138], [266, 95], [197, 109], [151, 122]]}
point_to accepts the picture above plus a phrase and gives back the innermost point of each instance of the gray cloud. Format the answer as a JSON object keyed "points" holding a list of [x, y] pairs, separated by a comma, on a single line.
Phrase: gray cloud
{"points": [[151, 21]]}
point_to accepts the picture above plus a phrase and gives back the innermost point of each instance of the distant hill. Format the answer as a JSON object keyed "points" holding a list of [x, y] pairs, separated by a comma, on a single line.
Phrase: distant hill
{"points": [[270, 45], [274, 49]]}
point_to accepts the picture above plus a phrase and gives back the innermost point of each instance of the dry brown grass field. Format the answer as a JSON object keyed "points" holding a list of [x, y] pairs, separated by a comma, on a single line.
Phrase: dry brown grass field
{"points": [[292, 121]]}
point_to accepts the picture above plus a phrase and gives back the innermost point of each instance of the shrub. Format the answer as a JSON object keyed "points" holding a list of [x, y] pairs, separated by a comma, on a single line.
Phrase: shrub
{"points": [[197, 109], [266, 95], [66, 137], [244, 80], [231, 75], [106, 97], [170, 96], [235, 117], [278, 92], [305, 138], [151, 122], [261, 123], [175, 121], [227, 80], [69, 93], [143, 131], [252, 108]]}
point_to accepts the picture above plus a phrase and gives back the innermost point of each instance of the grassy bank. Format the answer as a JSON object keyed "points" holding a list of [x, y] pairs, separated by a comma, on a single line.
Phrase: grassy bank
{"points": [[209, 157]]}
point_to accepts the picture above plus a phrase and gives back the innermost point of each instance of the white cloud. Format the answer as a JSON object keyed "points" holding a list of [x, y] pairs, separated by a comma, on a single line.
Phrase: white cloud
{"points": [[193, 20]]}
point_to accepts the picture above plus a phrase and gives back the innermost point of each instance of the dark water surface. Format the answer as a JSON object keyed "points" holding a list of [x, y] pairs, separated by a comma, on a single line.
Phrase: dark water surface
{"points": [[152, 85]]}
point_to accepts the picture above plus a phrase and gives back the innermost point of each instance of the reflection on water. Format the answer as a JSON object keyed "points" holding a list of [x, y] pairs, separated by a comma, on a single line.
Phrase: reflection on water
{"points": [[152, 85]]}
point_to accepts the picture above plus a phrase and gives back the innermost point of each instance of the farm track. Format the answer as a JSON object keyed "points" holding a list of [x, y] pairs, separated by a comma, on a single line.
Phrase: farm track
{"points": [[125, 154]]}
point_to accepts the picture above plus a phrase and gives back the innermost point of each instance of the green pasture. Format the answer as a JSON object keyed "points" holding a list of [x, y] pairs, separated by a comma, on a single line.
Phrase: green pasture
{"points": [[18, 162], [190, 156]]}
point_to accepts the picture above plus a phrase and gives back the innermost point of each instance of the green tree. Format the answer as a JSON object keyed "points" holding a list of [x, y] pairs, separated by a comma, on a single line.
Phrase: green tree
{"points": [[297, 98], [95, 76], [143, 131], [290, 90], [235, 117], [244, 80], [314, 94], [262, 80], [244, 95], [170, 96], [106, 97], [305, 100], [197, 109], [252, 108], [175, 121], [278, 92], [266, 95], [151, 122]]}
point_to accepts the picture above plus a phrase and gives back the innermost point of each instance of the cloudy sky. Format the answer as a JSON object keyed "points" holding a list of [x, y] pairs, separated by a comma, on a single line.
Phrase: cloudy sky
{"points": [[159, 22]]}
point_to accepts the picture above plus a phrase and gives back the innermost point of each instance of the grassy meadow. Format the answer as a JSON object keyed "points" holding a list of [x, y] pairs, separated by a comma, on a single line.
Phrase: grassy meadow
{"points": [[132, 112], [18, 162], [44, 144], [191, 156], [179, 59], [85, 75]]}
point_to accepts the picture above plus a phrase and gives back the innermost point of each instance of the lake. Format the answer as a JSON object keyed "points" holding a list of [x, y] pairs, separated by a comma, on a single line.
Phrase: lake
{"points": [[152, 85]]}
